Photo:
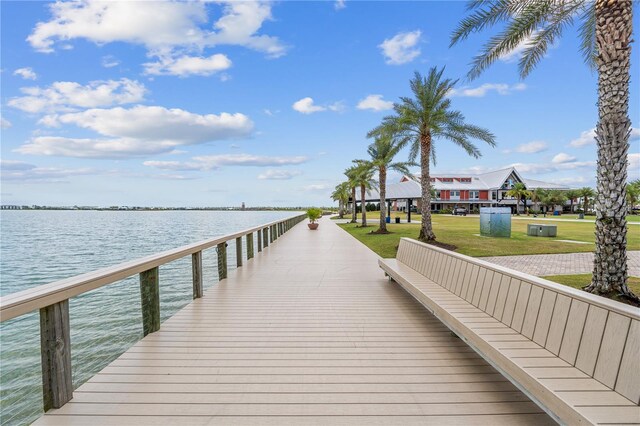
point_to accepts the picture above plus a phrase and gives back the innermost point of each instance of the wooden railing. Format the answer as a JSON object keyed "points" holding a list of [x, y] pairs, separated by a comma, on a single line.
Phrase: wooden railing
{"points": [[53, 299]]}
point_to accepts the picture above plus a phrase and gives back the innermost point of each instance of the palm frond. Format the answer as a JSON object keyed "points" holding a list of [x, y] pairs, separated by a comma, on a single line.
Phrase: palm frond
{"points": [[587, 33], [521, 27], [496, 11]]}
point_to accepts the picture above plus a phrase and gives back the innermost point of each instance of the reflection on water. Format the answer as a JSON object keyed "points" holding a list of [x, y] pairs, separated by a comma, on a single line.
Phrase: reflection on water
{"points": [[39, 247]]}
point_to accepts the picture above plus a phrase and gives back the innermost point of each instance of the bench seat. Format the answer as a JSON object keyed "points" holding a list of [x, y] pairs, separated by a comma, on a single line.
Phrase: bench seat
{"points": [[498, 321]]}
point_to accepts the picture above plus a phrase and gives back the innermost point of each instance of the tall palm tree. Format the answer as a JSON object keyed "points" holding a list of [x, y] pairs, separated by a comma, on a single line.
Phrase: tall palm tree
{"points": [[363, 177], [572, 194], [350, 173], [605, 33], [423, 118], [519, 192], [382, 152], [341, 195], [586, 194]]}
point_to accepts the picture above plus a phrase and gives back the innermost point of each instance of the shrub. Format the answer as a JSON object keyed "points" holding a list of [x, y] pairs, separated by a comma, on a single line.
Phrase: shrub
{"points": [[314, 214]]}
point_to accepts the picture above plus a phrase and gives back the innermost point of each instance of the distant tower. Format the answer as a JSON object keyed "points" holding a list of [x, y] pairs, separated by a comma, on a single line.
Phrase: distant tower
{"points": [[242, 208]]}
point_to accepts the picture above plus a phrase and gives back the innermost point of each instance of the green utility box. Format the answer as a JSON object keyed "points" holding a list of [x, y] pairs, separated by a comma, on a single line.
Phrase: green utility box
{"points": [[537, 230]]}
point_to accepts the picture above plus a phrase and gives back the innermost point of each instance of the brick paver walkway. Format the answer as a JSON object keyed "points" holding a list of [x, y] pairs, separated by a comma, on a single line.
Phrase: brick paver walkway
{"points": [[559, 264]]}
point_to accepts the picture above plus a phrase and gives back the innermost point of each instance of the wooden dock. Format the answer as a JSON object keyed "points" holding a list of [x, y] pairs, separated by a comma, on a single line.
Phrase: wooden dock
{"points": [[308, 332]]}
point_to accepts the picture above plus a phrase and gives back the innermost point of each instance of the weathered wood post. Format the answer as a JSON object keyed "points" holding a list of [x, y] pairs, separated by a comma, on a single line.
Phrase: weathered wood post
{"points": [[250, 245], [196, 268], [222, 261], [239, 252], [150, 300], [259, 238], [265, 237], [55, 344], [271, 237]]}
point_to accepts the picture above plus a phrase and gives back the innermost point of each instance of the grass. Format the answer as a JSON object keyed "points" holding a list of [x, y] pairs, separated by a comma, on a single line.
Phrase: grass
{"points": [[463, 232], [582, 280], [416, 217]]}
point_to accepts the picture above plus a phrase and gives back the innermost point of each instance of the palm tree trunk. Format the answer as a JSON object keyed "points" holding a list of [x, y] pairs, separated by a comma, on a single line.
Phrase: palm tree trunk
{"points": [[426, 229], [340, 209], [382, 177], [353, 205], [363, 194], [613, 36]]}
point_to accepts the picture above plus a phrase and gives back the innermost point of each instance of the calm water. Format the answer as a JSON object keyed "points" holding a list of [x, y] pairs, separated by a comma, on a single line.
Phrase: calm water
{"points": [[38, 247]]}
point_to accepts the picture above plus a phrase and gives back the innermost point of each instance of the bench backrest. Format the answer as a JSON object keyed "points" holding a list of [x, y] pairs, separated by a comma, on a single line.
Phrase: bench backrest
{"points": [[599, 336]]}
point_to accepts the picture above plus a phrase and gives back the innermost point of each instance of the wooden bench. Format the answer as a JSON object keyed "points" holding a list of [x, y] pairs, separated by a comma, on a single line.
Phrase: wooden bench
{"points": [[575, 354]]}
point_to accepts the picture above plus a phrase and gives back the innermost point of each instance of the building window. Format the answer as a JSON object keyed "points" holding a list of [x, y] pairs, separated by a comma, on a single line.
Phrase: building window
{"points": [[438, 194], [474, 195]]}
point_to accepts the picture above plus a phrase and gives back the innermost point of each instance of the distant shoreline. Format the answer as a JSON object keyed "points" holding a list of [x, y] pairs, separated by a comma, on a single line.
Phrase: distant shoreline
{"points": [[134, 209]]}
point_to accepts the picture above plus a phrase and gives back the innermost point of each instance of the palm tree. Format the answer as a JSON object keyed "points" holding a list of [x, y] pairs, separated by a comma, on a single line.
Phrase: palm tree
{"points": [[633, 194], [382, 152], [425, 117], [586, 193], [605, 34], [536, 196], [363, 177], [350, 173], [572, 194], [341, 195], [519, 192]]}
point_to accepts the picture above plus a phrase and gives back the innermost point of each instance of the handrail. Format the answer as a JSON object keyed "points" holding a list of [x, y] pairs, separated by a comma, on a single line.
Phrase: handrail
{"points": [[22, 302], [53, 299]]}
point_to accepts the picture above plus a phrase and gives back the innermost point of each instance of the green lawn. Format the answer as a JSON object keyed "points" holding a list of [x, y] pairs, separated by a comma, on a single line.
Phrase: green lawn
{"points": [[415, 217], [463, 232], [582, 280]]}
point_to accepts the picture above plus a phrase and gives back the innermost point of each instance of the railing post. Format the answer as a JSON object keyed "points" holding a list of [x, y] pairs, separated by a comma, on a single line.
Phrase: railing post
{"points": [[196, 267], [222, 261], [239, 252], [271, 237], [250, 245], [150, 300], [259, 238], [265, 237], [55, 352]]}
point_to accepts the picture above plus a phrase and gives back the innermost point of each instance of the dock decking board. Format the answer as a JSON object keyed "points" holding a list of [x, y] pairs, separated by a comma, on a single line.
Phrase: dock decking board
{"points": [[307, 332]]}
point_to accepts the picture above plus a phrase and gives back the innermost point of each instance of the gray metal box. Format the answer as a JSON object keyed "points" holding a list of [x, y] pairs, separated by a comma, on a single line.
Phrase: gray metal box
{"points": [[537, 230]]}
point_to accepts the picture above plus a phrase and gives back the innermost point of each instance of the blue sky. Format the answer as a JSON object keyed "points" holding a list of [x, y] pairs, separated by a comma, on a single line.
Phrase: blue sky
{"points": [[210, 104]]}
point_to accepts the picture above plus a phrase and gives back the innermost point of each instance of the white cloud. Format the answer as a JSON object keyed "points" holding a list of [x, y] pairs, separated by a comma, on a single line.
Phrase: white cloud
{"points": [[588, 137], [270, 113], [110, 61], [634, 165], [15, 165], [137, 131], [306, 106], [480, 91], [272, 174], [159, 26], [188, 65], [375, 103], [540, 168], [181, 166], [251, 160], [68, 95], [339, 4], [337, 106], [4, 123], [211, 162], [532, 147], [26, 73], [316, 188], [563, 158], [21, 171], [401, 48]]}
